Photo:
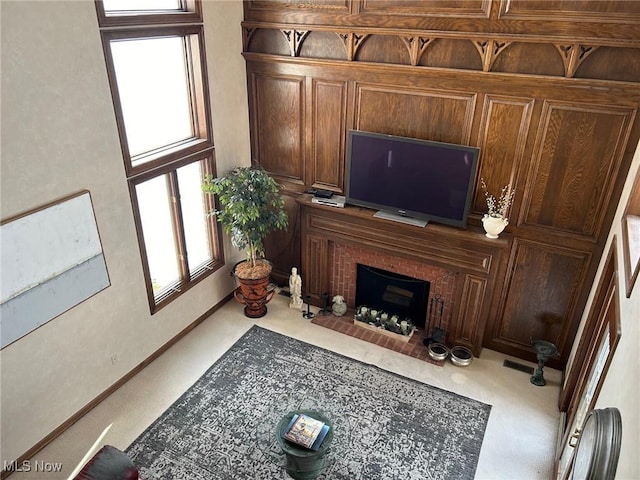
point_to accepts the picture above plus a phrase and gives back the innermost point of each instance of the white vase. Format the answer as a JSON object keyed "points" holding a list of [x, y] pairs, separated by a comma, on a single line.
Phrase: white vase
{"points": [[494, 225]]}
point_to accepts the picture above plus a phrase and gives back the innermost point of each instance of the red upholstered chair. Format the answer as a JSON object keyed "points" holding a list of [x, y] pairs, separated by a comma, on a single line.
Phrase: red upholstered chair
{"points": [[108, 463]]}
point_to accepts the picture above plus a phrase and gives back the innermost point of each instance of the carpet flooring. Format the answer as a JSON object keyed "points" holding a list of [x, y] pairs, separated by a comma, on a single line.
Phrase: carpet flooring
{"points": [[385, 426]]}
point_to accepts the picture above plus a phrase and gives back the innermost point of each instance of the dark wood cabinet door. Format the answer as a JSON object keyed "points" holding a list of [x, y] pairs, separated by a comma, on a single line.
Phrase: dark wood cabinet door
{"points": [[539, 299], [577, 158]]}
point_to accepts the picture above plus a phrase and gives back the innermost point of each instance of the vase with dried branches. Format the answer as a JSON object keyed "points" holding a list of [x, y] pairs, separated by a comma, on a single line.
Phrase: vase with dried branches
{"points": [[496, 219]]}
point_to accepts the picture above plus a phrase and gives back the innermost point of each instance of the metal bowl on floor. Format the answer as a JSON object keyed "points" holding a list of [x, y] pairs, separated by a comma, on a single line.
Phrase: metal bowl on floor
{"points": [[461, 356], [438, 351]]}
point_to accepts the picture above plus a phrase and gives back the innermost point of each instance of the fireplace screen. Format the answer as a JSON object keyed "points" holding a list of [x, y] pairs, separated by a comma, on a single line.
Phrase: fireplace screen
{"points": [[392, 293]]}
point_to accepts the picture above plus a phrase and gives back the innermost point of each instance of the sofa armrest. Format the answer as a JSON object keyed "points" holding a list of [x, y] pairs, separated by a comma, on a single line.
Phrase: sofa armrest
{"points": [[108, 463]]}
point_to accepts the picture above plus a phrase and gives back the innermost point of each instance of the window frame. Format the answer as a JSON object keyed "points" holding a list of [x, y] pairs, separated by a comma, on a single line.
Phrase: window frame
{"points": [[191, 12], [168, 159], [199, 97], [175, 290], [630, 234]]}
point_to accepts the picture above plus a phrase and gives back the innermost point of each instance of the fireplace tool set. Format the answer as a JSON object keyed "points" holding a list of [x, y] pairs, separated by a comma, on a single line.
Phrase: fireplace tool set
{"points": [[436, 344], [436, 311]]}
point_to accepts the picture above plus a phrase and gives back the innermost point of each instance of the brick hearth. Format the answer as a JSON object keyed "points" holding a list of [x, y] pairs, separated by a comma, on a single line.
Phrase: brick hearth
{"points": [[414, 347], [343, 260]]}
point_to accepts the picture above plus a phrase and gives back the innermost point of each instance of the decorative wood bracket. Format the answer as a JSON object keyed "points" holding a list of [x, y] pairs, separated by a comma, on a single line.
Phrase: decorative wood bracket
{"points": [[294, 39], [573, 56], [489, 51], [352, 41], [247, 33], [416, 47]]}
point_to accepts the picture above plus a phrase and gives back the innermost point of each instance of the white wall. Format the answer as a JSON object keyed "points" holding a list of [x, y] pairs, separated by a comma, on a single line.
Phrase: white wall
{"points": [[621, 385], [59, 136]]}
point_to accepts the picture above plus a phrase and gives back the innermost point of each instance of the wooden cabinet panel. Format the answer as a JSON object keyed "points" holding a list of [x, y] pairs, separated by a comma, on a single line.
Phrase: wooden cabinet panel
{"points": [[440, 116], [476, 8], [277, 106], [326, 45], [329, 119], [530, 58], [576, 160], [315, 267], [313, 5], [540, 297], [452, 53], [504, 129], [267, 41], [584, 10], [468, 328], [282, 247], [383, 49], [621, 64]]}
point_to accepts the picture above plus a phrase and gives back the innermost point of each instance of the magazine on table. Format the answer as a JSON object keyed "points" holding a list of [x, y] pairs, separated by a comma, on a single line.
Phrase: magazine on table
{"points": [[306, 431]]}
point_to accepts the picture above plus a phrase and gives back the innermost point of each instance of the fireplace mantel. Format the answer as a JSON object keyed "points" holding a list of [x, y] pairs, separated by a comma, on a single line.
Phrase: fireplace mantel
{"points": [[479, 261]]}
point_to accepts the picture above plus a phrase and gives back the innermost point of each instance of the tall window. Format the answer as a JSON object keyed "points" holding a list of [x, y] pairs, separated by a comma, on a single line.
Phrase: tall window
{"points": [[154, 51]]}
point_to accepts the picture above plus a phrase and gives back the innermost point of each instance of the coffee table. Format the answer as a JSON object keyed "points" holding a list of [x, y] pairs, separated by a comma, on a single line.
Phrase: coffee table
{"points": [[302, 463]]}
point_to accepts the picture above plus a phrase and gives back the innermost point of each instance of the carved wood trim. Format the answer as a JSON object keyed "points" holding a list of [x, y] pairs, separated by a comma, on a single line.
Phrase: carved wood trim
{"points": [[581, 54], [294, 38], [416, 46], [247, 33], [566, 53], [352, 41], [499, 37], [489, 51], [483, 48], [488, 46], [573, 55]]}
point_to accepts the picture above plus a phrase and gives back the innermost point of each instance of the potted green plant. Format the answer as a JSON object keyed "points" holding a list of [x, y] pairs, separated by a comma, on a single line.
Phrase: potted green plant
{"points": [[250, 207]]}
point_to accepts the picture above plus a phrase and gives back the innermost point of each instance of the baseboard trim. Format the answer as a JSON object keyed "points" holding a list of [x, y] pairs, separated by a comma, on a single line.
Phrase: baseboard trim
{"points": [[128, 376]]}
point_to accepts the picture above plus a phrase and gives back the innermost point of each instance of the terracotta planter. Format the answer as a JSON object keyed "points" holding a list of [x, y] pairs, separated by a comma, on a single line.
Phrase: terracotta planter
{"points": [[254, 293]]}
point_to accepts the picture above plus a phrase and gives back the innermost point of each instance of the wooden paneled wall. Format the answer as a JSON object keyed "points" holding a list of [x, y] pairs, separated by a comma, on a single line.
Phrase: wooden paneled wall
{"points": [[549, 91]]}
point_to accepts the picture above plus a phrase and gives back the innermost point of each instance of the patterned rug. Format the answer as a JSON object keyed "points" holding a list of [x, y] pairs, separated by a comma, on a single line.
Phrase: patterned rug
{"points": [[385, 426]]}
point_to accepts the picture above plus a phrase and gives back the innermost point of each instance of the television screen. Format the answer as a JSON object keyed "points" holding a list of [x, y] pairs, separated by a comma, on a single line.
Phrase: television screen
{"points": [[410, 177]]}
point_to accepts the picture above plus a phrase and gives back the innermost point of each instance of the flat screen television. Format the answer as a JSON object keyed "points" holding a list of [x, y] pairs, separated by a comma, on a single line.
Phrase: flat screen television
{"points": [[409, 179]]}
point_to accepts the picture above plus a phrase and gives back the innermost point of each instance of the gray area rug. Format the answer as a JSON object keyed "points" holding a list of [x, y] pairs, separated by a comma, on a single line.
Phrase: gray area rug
{"points": [[385, 426]]}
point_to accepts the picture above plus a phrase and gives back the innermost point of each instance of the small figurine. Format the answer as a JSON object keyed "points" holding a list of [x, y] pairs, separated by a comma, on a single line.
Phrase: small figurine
{"points": [[295, 289], [339, 307]]}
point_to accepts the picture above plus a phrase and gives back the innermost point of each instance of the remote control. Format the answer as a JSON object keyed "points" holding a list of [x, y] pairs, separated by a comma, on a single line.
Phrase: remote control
{"points": [[322, 193]]}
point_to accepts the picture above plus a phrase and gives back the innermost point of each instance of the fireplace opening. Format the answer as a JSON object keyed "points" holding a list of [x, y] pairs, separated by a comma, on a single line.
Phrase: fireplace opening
{"points": [[393, 293]]}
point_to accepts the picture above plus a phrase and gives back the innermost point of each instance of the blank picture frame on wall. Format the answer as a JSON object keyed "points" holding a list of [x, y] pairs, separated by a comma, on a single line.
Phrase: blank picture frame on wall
{"points": [[51, 260]]}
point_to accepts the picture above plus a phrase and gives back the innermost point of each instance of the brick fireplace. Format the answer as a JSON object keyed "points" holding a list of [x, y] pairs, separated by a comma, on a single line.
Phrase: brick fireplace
{"points": [[343, 260], [461, 265]]}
